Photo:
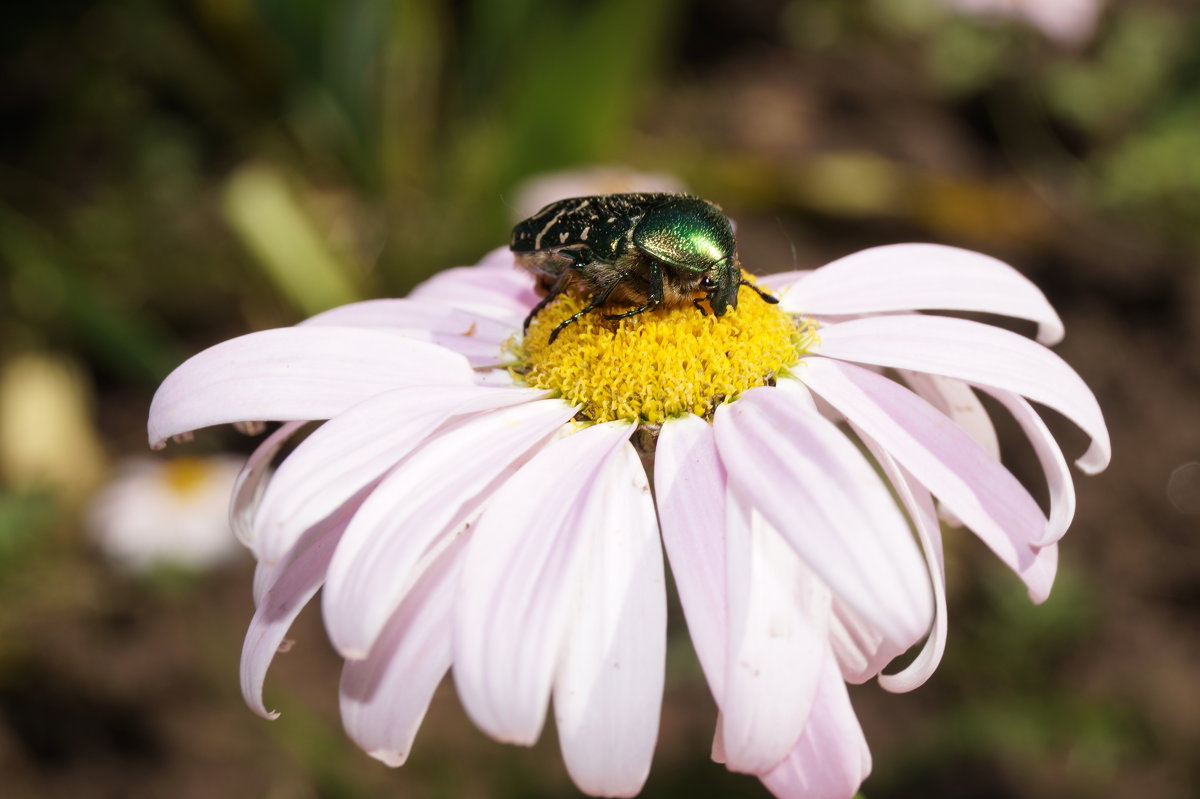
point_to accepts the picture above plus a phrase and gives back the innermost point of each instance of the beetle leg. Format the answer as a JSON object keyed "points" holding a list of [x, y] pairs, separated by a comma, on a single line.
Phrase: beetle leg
{"points": [[560, 285], [656, 292], [766, 297], [699, 307], [656, 283], [627, 314], [597, 301]]}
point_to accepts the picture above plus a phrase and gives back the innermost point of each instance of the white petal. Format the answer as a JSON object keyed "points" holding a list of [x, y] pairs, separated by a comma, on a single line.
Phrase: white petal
{"points": [[498, 258], [518, 579], [860, 649], [415, 314], [501, 293], [979, 354], [248, 488], [689, 484], [476, 336], [384, 697], [289, 588], [831, 759], [295, 373], [778, 631], [958, 401], [609, 684], [919, 504], [413, 511], [979, 490], [815, 487], [264, 577], [1054, 465], [350, 452], [783, 282], [906, 277]]}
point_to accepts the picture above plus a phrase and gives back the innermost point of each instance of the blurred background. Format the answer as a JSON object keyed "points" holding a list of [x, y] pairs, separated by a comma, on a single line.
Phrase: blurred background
{"points": [[179, 172]]}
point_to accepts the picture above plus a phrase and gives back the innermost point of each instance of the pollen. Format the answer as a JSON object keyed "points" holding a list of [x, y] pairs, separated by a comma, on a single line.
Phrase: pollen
{"points": [[661, 363]]}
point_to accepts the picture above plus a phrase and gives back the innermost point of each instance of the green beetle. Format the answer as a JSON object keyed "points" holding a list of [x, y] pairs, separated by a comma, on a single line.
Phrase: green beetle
{"points": [[644, 250]]}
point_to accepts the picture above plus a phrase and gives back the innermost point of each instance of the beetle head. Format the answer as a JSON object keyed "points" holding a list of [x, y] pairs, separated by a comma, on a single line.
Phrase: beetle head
{"points": [[721, 284]]}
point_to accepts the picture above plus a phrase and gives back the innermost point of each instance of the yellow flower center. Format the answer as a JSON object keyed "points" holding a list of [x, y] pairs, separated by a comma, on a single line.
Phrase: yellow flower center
{"points": [[661, 363]]}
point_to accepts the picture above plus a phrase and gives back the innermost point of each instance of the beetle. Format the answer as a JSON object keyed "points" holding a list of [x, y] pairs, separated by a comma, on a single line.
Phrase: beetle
{"points": [[645, 250]]}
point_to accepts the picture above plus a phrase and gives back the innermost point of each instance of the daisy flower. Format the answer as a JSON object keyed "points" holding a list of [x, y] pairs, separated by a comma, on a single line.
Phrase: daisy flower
{"points": [[175, 512], [496, 506]]}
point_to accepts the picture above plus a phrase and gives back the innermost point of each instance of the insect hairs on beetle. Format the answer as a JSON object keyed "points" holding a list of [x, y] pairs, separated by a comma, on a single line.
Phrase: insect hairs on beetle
{"points": [[644, 250]]}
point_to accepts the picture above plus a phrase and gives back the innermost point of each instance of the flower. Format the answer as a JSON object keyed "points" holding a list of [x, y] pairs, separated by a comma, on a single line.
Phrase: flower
{"points": [[1069, 22], [481, 501], [167, 512]]}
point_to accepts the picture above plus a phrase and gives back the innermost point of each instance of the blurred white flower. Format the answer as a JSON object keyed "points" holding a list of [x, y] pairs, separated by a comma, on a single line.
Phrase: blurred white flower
{"points": [[159, 512], [1070, 22], [535, 193]]}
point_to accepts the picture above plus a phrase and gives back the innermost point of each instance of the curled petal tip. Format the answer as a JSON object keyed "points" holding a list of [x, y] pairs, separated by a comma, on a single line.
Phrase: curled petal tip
{"points": [[1050, 334], [389, 758], [1095, 460]]}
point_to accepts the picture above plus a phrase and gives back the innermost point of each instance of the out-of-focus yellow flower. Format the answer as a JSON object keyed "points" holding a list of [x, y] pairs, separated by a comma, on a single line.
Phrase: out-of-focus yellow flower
{"points": [[47, 438]]}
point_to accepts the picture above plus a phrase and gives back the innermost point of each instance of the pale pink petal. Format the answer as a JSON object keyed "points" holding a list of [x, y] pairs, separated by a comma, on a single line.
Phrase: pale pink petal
{"points": [[906, 277], [979, 354], [958, 401], [609, 683], [781, 282], [831, 759], [1054, 465], [919, 504], [814, 486], [477, 337], [356, 448], [501, 293], [411, 513], [264, 578], [718, 742], [289, 587], [518, 579], [947, 461], [248, 488], [498, 258], [689, 484], [479, 353], [295, 373], [384, 697], [860, 649], [497, 378], [414, 314], [778, 630]]}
